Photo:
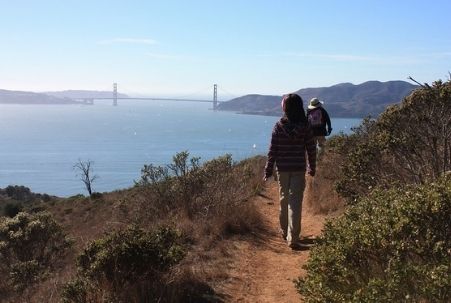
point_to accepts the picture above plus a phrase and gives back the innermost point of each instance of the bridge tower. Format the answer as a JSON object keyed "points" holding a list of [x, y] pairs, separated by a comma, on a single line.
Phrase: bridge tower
{"points": [[215, 97], [114, 94]]}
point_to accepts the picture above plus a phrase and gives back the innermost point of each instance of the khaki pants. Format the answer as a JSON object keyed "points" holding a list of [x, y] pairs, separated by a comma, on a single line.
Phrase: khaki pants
{"points": [[320, 140], [291, 191]]}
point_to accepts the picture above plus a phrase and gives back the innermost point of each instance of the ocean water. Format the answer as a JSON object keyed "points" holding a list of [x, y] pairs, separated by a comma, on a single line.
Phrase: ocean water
{"points": [[39, 144]]}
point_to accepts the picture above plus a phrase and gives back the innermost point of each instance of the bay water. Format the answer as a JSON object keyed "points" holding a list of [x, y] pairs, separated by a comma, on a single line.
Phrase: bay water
{"points": [[40, 144]]}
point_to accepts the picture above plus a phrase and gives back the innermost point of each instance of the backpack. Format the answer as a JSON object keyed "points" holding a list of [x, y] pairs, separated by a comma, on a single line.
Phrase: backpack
{"points": [[315, 118]]}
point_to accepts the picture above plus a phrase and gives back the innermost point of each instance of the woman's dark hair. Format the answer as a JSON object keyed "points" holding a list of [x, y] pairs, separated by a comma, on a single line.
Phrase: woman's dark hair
{"points": [[293, 108]]}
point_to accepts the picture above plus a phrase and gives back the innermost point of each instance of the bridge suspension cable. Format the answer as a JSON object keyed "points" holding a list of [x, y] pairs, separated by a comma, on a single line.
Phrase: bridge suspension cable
{"points": [[204, 91], [115, 96], [231, 95]]}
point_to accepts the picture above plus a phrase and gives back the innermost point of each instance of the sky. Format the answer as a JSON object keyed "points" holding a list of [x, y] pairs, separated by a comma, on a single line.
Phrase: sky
{"points": [[181, 48]]}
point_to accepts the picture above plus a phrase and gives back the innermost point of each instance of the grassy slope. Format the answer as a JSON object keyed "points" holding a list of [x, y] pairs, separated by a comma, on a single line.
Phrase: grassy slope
{"points": [[210, 241], [214, 247]]}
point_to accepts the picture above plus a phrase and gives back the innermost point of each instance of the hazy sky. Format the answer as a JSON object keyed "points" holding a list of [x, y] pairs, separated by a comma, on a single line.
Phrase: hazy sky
{"points": [[182, 47]]}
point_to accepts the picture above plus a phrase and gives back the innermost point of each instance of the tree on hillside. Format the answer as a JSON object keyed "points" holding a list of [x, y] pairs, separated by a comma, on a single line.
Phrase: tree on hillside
{"points": [[85, 174]]}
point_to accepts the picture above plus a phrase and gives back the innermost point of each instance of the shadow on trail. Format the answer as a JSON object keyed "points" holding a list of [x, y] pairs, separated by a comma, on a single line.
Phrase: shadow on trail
{"points": [[199, 292], [308, 240], [268, 236]]}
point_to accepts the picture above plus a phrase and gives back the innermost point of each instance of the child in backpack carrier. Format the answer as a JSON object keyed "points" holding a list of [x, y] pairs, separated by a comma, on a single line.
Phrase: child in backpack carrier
{"points": [[319, 121]]}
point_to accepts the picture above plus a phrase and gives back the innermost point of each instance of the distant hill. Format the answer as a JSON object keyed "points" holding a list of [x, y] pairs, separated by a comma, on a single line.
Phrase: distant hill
{"points": [[61, 97], [20, 97], [341, 100], [258, 104], [82, 94]]}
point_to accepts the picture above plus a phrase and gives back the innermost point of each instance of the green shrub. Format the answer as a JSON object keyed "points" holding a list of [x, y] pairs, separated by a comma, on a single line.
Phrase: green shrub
{"points": [[12, 209], [20, 193], [393, 246], [77, 291], [30, 244], [409, 143], [23, 194], [46, 197], [125, 266], [25, 273]]}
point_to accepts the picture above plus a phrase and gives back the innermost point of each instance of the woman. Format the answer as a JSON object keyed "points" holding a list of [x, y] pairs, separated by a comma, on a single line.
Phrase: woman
{"points": [[291, 140]]}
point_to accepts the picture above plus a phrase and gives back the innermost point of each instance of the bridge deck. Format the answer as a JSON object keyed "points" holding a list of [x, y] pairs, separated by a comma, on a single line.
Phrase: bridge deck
{"points": [[146, 98]]}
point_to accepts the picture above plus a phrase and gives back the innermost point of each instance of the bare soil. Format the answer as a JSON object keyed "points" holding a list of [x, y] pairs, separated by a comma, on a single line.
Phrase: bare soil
{"points": [[264, 268]]}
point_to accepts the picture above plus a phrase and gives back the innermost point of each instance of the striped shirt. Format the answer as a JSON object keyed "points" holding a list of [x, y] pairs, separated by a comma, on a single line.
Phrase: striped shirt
{"points": [[289, 145]]}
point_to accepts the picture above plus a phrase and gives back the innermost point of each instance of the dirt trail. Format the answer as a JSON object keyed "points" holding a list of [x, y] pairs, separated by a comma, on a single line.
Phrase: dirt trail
{"points": [[264, 269]]}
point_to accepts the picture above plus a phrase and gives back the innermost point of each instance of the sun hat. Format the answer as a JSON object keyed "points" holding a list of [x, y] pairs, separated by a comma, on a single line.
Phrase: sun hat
{"points": [[314, 103]]}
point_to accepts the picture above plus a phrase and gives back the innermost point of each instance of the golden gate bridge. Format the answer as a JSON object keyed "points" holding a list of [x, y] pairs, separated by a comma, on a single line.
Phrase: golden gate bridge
{"points": [[115, 98]]}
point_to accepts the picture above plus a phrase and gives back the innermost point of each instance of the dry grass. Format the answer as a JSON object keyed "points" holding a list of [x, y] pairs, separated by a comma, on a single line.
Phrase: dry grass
{"points": [[320, 196], [208, 236]]}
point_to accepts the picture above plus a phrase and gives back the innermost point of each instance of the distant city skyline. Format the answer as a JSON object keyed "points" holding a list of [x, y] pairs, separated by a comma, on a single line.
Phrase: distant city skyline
{"points": [[178, 48]]}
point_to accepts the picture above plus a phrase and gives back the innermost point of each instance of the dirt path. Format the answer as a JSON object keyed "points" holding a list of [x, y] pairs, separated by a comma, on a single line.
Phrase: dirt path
{"points": [[265, 268]]}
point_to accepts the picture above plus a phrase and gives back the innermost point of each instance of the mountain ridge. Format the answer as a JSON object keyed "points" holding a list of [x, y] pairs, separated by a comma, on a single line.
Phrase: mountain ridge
{"points": [[344, 100]]}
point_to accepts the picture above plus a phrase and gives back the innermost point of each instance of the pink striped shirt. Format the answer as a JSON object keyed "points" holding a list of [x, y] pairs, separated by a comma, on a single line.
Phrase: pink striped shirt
{"points": [[289, 145]]}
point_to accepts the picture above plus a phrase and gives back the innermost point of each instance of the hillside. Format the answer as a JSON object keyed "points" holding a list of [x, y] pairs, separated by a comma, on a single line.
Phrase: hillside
{"points": [[61, 97], [21, 97], [237, 266], [191, 220], [341, 100]]}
